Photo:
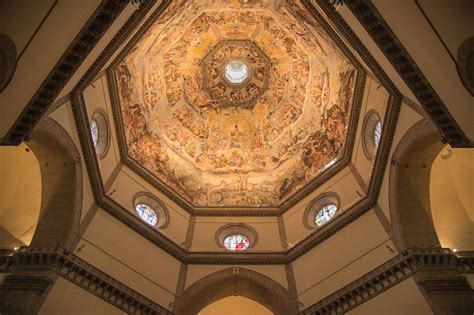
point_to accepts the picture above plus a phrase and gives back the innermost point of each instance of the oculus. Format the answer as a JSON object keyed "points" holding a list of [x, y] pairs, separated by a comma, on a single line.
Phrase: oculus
{"points": [[236, 242], [236, 71], [377, 133], [150, 210], [147, 213], [321, 210], [213, 143], [99, 132], [325, 214], [236, 237], [372, 133]]}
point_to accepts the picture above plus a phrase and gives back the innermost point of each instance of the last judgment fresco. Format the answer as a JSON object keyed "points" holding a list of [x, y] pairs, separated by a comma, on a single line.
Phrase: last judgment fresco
{"points": [[255, 143]]}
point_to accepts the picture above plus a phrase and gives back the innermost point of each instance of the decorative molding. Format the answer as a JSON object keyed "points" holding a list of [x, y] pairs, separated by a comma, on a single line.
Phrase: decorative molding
{"points": [[90, 214], [27, 283], [190, 232], [375, 25], [434, 284], [291, 281], [406, 264], [58, 103], [113, 176], [181, 285], [282, 232], [74, 269], [67, 65], [414, 105], [384, 220], [394, 271], [358, 178]]}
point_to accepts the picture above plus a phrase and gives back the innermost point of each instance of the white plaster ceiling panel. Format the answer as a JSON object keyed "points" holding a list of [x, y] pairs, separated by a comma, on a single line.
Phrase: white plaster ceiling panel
{"points": [[389, 302], [121, 248], [66, 297], [412, 28], [98, 49], [127, 185], [344, 185], [365, 236], [372, 47]]}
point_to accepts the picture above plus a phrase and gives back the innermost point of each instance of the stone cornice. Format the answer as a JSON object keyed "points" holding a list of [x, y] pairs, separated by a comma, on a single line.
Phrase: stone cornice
{"points": [[376, 26], [74, 269], [64, 69], [394, 271]]}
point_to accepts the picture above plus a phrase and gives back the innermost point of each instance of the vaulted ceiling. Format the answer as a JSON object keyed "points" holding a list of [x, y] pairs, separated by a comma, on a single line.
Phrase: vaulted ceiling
{"points": [[234, 103]]}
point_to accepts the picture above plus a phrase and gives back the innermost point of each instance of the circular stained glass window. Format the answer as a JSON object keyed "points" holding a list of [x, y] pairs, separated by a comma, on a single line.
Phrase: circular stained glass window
{"points": [[372, 134], [95, 132], [377, 133], [236, 71], [325, 214], [99, 132], [147, 213], [236, 242]]}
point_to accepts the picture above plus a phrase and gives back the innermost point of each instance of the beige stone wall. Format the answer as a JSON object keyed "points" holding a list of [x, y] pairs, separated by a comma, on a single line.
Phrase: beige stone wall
{"points": [[67, 298]]}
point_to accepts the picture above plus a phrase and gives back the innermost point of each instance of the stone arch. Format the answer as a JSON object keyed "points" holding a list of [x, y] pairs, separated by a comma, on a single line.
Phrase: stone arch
{"points": [[247, 283], [465, 64], [410, 173], [61, 177]]}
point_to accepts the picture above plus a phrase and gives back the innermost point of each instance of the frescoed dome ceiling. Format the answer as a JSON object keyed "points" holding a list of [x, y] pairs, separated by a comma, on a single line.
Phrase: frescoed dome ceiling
{"points": [[235, 103]]}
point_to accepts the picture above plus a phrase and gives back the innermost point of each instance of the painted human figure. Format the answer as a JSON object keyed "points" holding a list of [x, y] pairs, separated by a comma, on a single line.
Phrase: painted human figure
{"points": [[236, 138]]}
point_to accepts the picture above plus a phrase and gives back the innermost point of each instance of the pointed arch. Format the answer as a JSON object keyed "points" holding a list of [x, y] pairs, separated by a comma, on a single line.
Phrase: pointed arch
{"points": [[410, 172], [247, 283], [61, 177]]}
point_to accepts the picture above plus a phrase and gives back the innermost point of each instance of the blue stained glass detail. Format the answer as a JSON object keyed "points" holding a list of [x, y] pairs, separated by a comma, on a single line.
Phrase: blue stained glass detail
{"points": [[95, 132], [325, 214], [377, 133], [236, 242], [147, 213]]}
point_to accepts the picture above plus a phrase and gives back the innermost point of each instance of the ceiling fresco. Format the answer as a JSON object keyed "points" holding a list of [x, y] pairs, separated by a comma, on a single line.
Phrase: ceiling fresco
{"points": [[235, 103]]}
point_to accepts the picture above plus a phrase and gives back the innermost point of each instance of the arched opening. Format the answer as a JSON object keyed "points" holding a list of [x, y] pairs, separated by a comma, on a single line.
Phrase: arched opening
{"points": [[235, 305], [20, 196], [236, 282], [452, 199], [42, 193], [431, 197]]}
